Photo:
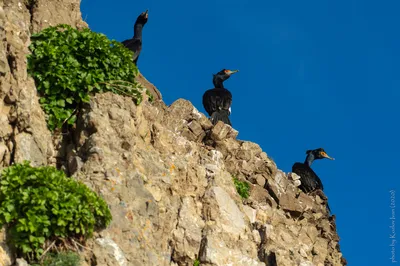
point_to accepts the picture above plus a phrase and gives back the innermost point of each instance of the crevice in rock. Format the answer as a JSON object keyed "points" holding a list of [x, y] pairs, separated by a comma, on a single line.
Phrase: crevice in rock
{"points": [[11, 60], [202, 253], [261, 247], [12, 151], [64, 141], [70, 153], [261, 253], [271, 259], [271, 192], [294, 214], [30, 5], [93, 261]]}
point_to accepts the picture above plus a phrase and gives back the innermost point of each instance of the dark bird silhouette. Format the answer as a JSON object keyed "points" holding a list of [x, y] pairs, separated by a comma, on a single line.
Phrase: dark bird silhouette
{"points": [[217, 101], [309, 180], [135, 44]]}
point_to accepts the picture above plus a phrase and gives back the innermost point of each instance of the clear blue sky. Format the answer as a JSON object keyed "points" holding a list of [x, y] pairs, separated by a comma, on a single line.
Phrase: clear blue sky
{"points": [[312, 74]]}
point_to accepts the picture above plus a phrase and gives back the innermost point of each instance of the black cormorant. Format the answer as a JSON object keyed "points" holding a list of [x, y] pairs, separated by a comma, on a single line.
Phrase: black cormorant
{"points": [[309, 180], [135, 44], [217, 101]]}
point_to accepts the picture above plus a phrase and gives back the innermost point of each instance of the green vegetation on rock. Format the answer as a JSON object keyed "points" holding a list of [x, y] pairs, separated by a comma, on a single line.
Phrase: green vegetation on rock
{"points": [[69, 65], [40, 205], [60, 259], [242, 188]]}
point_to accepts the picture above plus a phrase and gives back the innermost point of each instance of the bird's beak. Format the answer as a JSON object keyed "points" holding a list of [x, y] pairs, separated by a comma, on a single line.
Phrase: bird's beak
{"points": [[327, 156], [233, 71], [146, 13]]}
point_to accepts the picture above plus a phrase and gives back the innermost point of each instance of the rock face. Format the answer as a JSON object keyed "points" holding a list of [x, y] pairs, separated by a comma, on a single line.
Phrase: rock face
{"points": [[165, 172], [173, 199], [149, 86], [24, 134]]}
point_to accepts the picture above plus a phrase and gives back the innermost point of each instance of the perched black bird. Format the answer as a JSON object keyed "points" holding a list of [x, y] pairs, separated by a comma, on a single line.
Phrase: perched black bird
{"points": [[309, 179], [217, 101], [135, 44]]}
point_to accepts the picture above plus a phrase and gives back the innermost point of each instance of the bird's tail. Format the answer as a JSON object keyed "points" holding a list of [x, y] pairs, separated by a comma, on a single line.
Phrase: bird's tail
{"points": [[328, 208], [220, 115]]}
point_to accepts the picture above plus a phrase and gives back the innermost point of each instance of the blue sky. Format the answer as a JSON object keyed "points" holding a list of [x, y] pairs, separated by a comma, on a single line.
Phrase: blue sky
{"points": [[312, 74]]}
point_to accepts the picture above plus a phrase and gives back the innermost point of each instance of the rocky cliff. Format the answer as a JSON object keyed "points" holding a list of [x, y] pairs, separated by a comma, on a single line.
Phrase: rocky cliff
{"points": [[171, 194]]}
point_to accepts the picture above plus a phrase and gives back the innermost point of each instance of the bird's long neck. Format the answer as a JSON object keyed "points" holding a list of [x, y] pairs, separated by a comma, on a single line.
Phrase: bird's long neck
{"points": [[309, 159], [137, 31], [218, 83]]}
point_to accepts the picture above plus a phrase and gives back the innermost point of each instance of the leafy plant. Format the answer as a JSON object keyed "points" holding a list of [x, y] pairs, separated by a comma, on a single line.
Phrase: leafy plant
{"points": [[69, 65], [242, 188], [40, 204], [61, 259], [196, 262]]}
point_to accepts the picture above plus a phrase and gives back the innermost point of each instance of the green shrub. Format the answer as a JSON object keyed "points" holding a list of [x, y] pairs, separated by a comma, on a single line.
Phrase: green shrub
{"points": [[60, 259], [196, 262], [68, 65], [242, 188], [40, 204]]}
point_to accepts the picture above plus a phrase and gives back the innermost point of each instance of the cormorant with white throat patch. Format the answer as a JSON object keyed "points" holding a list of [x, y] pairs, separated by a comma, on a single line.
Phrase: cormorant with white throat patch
{"points": [[135, 44], [217, 101]]}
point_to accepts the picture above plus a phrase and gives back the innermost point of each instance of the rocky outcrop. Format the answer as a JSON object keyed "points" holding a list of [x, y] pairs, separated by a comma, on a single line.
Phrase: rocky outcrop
{"points": [[165, 171], [173, 199], [149, 86]]}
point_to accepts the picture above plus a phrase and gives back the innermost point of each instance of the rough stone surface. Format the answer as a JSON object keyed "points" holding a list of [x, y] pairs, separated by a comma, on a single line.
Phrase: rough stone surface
{"points": [[165, 171], [173, 199], [216, 252], [21, 262], [148, 85], [6, 257], [24, 134]]}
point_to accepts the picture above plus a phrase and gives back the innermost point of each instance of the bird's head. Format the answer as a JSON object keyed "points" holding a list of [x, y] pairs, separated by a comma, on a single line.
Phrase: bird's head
{"points": [[223, 75], [319, 154], [142, 18]]}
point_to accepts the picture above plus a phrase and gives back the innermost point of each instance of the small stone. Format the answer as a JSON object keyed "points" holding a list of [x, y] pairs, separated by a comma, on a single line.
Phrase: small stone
{"points": [[195, 127], [219, 131], [293, 176], [3, 150], [303, 253], [233, 133], [205, 123], [318, 199], [244, 155], [74, 164], [296, 183], [21, 262], [5, 259], [318, 216], [260, 180], [256, 236], [113, 250], [250, 213], [306, 263]]}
